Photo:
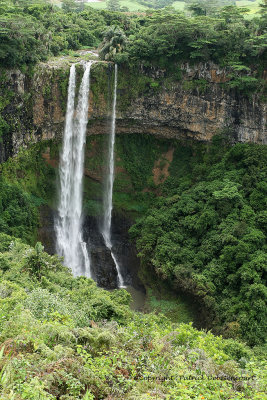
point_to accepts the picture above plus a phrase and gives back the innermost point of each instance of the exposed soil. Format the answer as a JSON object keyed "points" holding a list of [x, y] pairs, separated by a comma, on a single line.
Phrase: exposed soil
{"points": [[161, 167]]}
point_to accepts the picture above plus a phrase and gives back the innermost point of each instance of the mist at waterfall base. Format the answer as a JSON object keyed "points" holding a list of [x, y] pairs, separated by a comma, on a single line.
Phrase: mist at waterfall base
{"points": [[68, 224]]}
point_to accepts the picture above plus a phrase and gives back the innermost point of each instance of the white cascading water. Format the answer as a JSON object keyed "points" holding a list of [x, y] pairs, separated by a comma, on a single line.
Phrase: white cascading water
{"points": [[68, 224], [108, 190]]}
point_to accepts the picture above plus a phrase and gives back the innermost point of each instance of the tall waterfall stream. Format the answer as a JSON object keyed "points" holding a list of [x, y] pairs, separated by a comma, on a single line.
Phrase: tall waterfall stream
{"points": [[68, 225]]}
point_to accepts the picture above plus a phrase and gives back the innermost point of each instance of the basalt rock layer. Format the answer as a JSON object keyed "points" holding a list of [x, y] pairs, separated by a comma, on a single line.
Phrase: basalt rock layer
{"points": [[196, 104]]}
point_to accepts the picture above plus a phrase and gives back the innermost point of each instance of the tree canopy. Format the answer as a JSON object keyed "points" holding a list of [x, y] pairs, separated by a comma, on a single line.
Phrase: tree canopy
{"points": [[32, 31], [207, 235]]}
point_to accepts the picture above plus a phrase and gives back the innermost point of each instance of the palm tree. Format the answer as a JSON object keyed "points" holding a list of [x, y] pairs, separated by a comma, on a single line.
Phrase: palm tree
{"points": [[114, 41]]}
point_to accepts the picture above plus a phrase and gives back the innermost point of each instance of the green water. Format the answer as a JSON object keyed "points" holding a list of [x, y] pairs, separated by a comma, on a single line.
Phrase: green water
{"points": [[138, 298]]}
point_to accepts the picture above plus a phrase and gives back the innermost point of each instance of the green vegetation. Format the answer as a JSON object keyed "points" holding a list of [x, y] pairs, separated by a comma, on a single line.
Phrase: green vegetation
{"points": [[141, 5], [113, 5], [5, 99], [64, 338], [18, 213], [26, 182], [228, 39], [138, 154], [173, 308], [113, 44], [207, 7], [253, 7], [207, 234], [224, 35], [130, 5], [155, 3], [32, 31], [133, 185], [179, 5]]}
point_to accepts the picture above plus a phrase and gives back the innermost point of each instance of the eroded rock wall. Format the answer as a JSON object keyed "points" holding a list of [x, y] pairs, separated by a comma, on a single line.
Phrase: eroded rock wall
{"points": [[195, 104]]}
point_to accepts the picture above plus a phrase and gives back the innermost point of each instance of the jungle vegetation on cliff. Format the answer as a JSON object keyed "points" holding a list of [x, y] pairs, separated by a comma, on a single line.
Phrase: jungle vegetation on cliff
{"points": [[206, 234]]}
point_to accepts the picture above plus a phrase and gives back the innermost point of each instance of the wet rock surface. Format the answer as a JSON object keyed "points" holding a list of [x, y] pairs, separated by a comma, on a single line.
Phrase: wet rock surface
{"points": [[103, 268], [46, 231], [125, 250], [102, 265]]}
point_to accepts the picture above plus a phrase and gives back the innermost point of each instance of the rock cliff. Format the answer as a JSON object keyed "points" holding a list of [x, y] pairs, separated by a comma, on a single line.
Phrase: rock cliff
{"points": [[192, 104]]}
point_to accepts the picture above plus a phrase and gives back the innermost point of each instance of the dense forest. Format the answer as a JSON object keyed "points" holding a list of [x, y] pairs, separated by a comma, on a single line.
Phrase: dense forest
{"points": [[206, 235], [32, 32], [199, 231]]}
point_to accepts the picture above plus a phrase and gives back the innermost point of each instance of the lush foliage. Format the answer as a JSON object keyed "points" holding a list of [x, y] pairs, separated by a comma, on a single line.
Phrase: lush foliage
{"points": [[63, 338], [26, 182], [32, 31], [207, 235], [207, 7], [18, 214], [228, 39], [155, 3], [135, 158], [113, 43]]}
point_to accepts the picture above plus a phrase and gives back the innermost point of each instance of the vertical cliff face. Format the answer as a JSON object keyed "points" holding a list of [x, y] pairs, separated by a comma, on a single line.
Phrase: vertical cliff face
{"points": [[35, 108], [194, 103], [197, 105]]}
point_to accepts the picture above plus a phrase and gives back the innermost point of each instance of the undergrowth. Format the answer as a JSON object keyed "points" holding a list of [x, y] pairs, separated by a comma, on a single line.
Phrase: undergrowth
{"points": [[64, 338]]}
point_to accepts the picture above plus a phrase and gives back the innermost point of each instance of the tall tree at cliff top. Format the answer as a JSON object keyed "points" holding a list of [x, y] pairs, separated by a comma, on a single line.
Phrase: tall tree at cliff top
{"points": [[113, 43]]}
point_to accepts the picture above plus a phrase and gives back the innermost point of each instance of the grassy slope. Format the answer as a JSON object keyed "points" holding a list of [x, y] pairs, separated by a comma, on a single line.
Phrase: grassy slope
{"points": [[252, 6], [131, 5], [178, 5]]}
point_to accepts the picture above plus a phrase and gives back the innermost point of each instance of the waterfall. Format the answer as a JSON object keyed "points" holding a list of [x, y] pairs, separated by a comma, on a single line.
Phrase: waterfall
{"points": [[108, 190], [68, 225]]}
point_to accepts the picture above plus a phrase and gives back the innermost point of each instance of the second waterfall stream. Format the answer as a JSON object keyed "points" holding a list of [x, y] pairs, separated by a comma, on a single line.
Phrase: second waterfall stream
{"points": [[108, 189], [68, 225]]}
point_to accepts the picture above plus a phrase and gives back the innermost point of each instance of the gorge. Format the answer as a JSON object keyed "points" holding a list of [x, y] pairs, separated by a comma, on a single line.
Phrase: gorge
{"points": [[182, 185], [133, 200], [194, 106], [181, 111]]}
